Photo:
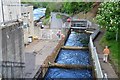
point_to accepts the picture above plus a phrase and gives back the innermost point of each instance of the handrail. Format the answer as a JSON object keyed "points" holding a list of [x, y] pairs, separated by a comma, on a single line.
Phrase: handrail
{"points": [[98, 69]]}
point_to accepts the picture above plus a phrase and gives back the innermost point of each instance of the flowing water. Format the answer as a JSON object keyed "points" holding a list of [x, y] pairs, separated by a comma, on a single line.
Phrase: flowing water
{"points": [[77, 39], [68, 73], [79, 57]]}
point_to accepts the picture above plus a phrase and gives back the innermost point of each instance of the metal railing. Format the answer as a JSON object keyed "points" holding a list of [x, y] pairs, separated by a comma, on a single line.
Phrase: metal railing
{"points": [[98, 69]]}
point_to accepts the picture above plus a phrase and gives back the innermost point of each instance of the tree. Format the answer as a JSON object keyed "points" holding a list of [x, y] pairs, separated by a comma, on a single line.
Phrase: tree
{"points": [[76, 7], [108, 16], [47, 13]]}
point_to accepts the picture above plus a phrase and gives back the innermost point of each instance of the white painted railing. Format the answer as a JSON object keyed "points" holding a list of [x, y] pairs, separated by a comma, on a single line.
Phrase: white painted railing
{"points": [[98, 70], [95, 34]]}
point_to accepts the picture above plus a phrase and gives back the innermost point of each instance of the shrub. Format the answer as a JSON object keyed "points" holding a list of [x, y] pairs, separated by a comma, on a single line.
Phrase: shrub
{"points": [[110, 35]]}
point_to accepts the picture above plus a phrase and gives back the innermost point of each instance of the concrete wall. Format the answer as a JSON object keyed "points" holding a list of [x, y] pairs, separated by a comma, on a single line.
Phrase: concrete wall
{"points": [[27, 17], [11, 10], [12, 50], [51, 58], [0, 52], [1, 18]]}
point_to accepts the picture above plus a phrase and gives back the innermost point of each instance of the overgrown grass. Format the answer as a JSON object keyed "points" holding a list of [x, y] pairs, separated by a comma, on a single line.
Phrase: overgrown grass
{"points": [[113, 45], [58, 16], [46, 21]]}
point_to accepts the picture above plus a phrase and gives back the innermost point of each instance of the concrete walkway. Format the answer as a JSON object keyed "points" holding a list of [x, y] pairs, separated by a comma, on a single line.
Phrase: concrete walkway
{"points": [[37, 51], [106, 67], [55, 22], [35, 54]]}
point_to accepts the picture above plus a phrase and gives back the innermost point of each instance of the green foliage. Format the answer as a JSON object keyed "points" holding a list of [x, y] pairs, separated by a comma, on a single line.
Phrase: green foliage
{"points": [[75, 7], [58, 16], [110, 35], [66, 7], [46, 21], [55, 6], [114, 51], [108, 16], [47, 13]]}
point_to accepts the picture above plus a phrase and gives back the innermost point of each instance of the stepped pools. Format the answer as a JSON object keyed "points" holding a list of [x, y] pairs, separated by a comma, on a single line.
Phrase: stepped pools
{"points": [[81, 57], [73, 57], [77, 39], [68, 73]]}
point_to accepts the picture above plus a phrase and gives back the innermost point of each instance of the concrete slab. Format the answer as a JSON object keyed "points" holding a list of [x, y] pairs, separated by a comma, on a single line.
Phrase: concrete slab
{"points": [[36, 52]]}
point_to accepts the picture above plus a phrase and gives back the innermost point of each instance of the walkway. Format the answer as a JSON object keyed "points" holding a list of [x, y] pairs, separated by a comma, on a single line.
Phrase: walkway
{"points": [[55, 22], [106, 67], [33, 61]]}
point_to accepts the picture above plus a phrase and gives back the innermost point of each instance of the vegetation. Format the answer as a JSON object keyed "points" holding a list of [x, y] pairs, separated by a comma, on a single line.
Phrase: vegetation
{"points": [[108, 17], [114, 55], [66, 7], [76, 7], [47, 13], [58, 16], [46, 21]]}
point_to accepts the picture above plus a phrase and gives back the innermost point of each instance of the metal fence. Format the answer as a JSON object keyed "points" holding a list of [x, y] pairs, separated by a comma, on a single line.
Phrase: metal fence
{"points": [[98, 69]]}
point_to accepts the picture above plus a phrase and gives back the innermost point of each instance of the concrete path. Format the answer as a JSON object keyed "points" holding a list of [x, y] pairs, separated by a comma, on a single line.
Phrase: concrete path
{"points": [[33, 61], [106, 67], [55, 22]]}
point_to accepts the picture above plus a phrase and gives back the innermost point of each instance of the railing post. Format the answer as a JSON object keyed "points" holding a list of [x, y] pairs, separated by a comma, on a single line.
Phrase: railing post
{"points": [[95, 57]]}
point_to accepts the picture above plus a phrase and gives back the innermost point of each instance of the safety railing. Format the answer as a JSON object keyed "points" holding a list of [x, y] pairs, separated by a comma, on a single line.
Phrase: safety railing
{"points": [[98, 69]]}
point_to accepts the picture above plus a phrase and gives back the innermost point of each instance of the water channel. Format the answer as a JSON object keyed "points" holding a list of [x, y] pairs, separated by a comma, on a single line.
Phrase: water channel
{"points": [[73, 57]]}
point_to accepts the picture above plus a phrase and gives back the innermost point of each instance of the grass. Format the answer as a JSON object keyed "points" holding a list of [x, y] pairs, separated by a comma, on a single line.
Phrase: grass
{"points": [[46, 21], [113, 45], [58, 16]]}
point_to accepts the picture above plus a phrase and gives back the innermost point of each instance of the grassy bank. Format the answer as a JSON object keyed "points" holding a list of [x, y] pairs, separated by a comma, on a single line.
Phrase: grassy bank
{"points": [[46, 21], [58, 16], [114, 58]]}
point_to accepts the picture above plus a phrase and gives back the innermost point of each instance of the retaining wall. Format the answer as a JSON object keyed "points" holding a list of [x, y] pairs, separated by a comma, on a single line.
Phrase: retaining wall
{"points": [[94, 53], [12, 50], [51, 58]]}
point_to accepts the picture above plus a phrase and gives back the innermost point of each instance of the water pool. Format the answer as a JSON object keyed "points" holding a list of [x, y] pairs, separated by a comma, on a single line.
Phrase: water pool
{"points": [[77, 39], [68, 73], [81, 57]]}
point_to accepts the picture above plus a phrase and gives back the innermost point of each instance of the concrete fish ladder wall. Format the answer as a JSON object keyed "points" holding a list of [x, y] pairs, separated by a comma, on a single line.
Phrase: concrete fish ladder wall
{"points": [[92, 48], [51, 58]]}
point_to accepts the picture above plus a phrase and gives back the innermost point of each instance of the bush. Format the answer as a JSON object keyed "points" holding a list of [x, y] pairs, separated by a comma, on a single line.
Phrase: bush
{"points": [[110, 35], [47, 13]]}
